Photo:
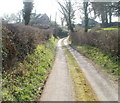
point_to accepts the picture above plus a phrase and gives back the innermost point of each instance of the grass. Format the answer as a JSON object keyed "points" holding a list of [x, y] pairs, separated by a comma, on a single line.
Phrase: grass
{"points": [[89, 30], [27, 79], [105, 60], [107, 29], [83, 90], [110, 28]]}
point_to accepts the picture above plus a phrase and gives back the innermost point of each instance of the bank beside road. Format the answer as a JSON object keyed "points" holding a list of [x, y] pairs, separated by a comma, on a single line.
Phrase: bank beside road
{"points": [[102, 86]]}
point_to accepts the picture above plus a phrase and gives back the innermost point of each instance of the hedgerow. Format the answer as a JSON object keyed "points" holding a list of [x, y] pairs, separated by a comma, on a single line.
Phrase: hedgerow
{"points": [[18, 41], [99, 45], [107, 41], [25, 82], [106, 61]]}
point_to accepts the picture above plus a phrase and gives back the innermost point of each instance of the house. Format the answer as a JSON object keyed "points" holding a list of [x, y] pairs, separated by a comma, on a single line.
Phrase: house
{"points": [[40, 20], [91, 23]]}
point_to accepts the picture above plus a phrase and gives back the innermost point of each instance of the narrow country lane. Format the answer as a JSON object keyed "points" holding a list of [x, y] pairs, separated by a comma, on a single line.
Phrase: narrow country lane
{"points": [[104, 88], [59, 85]]}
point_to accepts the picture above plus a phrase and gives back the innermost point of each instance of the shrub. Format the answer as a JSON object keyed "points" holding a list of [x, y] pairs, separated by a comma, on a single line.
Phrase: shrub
{"points": [[105, 60], [19, 40], [105, 40], [25, 82]]}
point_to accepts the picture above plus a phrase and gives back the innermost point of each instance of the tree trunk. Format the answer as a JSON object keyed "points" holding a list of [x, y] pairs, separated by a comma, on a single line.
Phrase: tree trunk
{"points": [[86, 16], [72, 30], [86, 23], [106, 17], [103, 19], [110, 16]]}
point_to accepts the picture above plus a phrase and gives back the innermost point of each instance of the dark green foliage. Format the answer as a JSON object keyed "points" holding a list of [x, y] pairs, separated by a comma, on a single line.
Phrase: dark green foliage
{"points": [[28, 6], [62, 33], [85, 5]]}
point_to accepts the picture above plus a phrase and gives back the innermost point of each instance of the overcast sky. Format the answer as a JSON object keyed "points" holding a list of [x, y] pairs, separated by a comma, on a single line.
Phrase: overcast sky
{"points": [[41, 6], [50, 7]]}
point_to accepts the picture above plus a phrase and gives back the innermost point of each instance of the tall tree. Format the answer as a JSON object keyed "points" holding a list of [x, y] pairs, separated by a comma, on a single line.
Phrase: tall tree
{"points": [[68, 13], [28, 6], [116, 7], [110, 11], [100, 11], [104, 10], [85, 10], [86, 19]]}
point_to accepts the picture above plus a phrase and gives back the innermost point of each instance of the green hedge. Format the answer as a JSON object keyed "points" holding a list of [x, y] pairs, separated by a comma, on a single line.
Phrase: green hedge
{"points": [[106, 60], [25, 81]]}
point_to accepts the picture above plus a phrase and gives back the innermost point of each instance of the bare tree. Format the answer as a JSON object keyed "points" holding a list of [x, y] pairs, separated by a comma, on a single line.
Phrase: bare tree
{"points": [[12, 18], [85, 10], [68, 13], [19, 16], [6, 18]]}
